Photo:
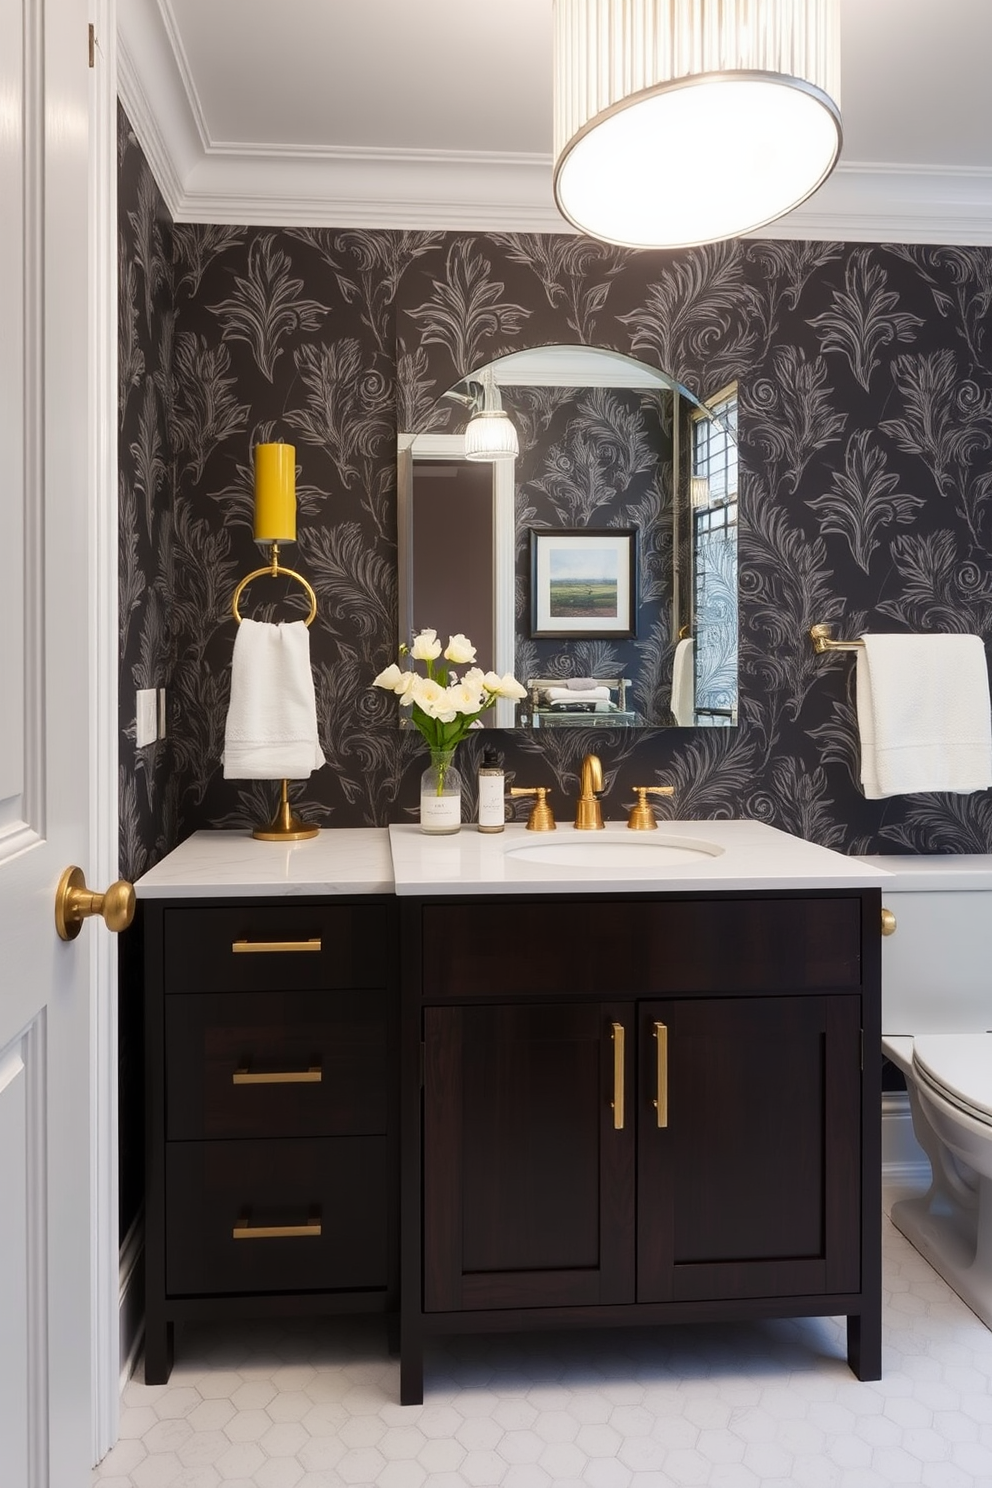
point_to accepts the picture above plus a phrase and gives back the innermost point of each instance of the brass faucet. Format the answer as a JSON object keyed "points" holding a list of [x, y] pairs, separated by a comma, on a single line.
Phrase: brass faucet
{"points": [[588, 814]]}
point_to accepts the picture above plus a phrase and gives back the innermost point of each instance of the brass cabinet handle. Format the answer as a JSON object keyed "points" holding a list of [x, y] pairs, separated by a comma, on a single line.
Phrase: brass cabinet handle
{"points": [[74, 903], [244, 1076], [245, 1231], [256, 947], [617, 1102], [888, 922], [661, 1104]]}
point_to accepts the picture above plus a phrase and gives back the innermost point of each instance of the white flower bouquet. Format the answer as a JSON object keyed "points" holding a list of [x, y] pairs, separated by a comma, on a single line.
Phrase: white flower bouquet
{"points": [[445, 705]]}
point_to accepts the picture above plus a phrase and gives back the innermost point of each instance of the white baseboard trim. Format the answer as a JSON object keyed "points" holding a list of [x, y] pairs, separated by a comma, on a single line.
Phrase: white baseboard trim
{"points": [[132, 1306]]}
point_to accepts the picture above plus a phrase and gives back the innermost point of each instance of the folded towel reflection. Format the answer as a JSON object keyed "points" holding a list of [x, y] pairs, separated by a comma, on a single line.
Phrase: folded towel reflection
{"points": [[683, 684], [923, 714], [590, 694], [271, 731]]}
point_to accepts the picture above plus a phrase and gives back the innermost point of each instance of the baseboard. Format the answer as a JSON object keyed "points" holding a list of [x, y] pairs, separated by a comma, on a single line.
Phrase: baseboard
{"points": [[132, 1310], [903, 1160]]}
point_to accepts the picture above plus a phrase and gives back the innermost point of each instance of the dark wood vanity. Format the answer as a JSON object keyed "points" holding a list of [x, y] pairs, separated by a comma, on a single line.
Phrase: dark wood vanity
{"points": [[271, 1165], [488, 1111], [639, 1110]]}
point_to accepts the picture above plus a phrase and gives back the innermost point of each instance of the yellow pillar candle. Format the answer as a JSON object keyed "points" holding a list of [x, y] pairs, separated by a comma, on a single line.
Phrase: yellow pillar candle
{"points": [[275, 493]]}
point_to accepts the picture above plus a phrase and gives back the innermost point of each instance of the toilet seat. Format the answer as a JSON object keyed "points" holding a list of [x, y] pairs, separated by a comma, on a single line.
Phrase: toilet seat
{"points": [[958, 1068]]}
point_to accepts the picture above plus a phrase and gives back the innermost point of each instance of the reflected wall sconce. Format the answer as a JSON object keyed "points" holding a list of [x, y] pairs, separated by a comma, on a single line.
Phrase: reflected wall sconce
{"points": [[677, 124], [489, 434]]}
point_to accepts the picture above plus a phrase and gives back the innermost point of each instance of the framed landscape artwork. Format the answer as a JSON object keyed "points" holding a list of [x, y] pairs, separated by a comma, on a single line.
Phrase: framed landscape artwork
{"points": [[583, 581]]}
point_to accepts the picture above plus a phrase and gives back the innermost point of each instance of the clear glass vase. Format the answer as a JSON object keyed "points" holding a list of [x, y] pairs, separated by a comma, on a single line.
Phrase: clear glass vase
{"points": [[441, 794]]}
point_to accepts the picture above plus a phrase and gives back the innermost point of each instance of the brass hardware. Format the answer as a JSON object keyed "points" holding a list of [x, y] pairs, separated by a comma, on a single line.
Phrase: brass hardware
{"points": [[542, 818], [92, 45], [661, 1104], [617, 1101], [888, 922], [641, 817], [588, 813], [274, 570], [74, 902], [245, 1231], [257, 947], [244, 1076], [285, 826], [820, 636]]}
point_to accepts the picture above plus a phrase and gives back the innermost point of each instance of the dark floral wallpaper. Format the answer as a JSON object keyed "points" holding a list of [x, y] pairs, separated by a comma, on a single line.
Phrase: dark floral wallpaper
{"points": [[865, 423]]}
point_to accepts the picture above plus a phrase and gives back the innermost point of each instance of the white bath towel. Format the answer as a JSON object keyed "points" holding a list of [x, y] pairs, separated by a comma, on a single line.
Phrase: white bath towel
{"points": [[272, 719], [590, 694], [683, 684], [923, 714]]}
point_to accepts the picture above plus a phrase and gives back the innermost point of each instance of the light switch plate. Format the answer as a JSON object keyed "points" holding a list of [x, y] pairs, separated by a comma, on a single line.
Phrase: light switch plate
{"points": [[146, 717]]}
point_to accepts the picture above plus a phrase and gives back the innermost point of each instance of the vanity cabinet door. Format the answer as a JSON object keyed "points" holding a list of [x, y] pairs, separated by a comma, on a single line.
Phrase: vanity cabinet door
{"points": [[529, 1114], [749, 1175]]}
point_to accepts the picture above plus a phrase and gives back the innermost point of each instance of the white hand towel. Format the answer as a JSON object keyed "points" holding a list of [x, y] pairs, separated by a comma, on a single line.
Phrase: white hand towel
{"points": [[683, 684], [590, 694], [923, 714], [272, 719]]}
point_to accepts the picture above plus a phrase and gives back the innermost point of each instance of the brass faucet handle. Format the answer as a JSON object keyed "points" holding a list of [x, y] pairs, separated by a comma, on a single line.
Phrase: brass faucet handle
{"points": [[541, 818], [641, 817]]}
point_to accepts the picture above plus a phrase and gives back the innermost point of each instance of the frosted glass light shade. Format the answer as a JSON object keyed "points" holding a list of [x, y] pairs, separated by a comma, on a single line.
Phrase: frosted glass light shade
{"points": [[490, 436], [683, 123]]}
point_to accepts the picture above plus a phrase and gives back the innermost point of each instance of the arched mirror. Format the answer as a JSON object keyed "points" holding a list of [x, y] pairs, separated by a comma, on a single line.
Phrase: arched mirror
{"points": [[597, 563]]}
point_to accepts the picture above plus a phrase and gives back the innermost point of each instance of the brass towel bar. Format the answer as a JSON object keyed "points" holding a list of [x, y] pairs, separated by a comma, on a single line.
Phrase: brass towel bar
{"points": [[274, 569], [820, 636]]}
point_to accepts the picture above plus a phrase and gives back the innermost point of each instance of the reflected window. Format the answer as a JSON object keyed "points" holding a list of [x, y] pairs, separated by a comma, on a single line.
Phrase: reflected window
{"points": [[714, 519]]}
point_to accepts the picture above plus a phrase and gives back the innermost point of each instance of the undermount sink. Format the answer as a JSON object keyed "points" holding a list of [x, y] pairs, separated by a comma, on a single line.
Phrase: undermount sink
{"points": [[596, 851]]}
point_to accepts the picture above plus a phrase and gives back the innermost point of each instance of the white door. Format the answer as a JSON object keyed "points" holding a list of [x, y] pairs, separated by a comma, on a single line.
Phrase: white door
{"points": [[46, 722]]}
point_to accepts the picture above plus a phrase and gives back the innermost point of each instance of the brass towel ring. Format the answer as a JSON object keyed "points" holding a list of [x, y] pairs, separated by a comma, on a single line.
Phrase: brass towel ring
{"points": [[274, 571]]}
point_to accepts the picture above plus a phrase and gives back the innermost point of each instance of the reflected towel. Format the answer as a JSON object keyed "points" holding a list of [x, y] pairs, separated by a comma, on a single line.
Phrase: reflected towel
{"points": [[923, 714], [683, 684], [590, 694], [271, 729]]}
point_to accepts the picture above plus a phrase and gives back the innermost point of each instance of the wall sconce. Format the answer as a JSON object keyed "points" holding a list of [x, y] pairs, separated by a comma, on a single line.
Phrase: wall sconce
{"points": [[489, 434], [275, 493], [677, 124], [699, 490]]}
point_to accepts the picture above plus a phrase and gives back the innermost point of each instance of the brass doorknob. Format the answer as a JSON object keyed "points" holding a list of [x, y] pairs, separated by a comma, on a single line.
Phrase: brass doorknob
{"points": [[74, 903], [888, 922]]}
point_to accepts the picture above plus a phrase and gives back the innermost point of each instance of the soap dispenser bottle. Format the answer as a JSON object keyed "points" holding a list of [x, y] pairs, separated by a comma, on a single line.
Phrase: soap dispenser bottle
{"points": [[492, 809]]}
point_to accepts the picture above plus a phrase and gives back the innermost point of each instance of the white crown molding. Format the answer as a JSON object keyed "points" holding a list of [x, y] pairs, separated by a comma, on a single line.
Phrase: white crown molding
{"points": [[203, 180]]}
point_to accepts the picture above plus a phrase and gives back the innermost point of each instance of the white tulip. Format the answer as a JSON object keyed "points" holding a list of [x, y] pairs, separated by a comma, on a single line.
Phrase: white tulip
{"points": [[426, 646], [459, 649]]}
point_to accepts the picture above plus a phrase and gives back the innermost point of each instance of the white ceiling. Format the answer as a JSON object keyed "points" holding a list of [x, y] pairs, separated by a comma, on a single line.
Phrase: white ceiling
{"points": [[437, 114]]}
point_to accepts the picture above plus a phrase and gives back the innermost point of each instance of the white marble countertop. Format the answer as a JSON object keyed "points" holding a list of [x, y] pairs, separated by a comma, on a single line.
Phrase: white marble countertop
{"points": [[748, 855], [339, 860], [680, 855]]}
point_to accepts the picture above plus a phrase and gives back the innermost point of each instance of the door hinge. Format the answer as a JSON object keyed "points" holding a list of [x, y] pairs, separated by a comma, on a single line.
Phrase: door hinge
{"points": [[92, 30]]}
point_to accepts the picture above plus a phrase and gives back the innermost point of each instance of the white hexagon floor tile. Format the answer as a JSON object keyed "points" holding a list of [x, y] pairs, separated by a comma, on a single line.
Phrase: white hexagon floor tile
{"points": [[769, 1405]]}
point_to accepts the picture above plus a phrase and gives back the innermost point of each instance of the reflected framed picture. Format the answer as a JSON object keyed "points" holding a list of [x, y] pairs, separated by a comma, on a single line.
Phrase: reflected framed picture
{"points": [[583, 582]]}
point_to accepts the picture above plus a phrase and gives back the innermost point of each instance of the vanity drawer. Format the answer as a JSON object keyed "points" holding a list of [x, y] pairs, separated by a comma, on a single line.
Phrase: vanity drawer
{"points": [[272, 1064], [254, 947], [641, 947], [335, 1185]]}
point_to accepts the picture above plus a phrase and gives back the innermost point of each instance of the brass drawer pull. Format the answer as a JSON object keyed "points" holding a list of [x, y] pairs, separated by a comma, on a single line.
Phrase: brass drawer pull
{"points": [[244, 1076], [617, 1102], [256, 947], [661, 1104], [245, 1231]]}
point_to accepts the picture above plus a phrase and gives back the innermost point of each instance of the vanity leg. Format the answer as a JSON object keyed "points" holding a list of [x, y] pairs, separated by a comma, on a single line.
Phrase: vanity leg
{"points": [[393, 1334], [159, 1348], [411, 1367], [864, 1344]]}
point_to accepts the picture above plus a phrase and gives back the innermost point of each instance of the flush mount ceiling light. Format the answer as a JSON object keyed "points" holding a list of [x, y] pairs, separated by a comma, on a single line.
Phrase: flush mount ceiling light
{"points": [[489, 434], [678, 122]]}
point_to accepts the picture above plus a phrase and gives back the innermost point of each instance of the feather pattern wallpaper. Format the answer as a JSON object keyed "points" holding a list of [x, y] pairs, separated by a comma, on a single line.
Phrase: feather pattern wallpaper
{"points": [[865, 375]]}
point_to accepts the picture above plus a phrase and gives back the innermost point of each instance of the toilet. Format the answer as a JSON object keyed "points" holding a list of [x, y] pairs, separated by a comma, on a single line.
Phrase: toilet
{"points": [[937, 1028]]}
